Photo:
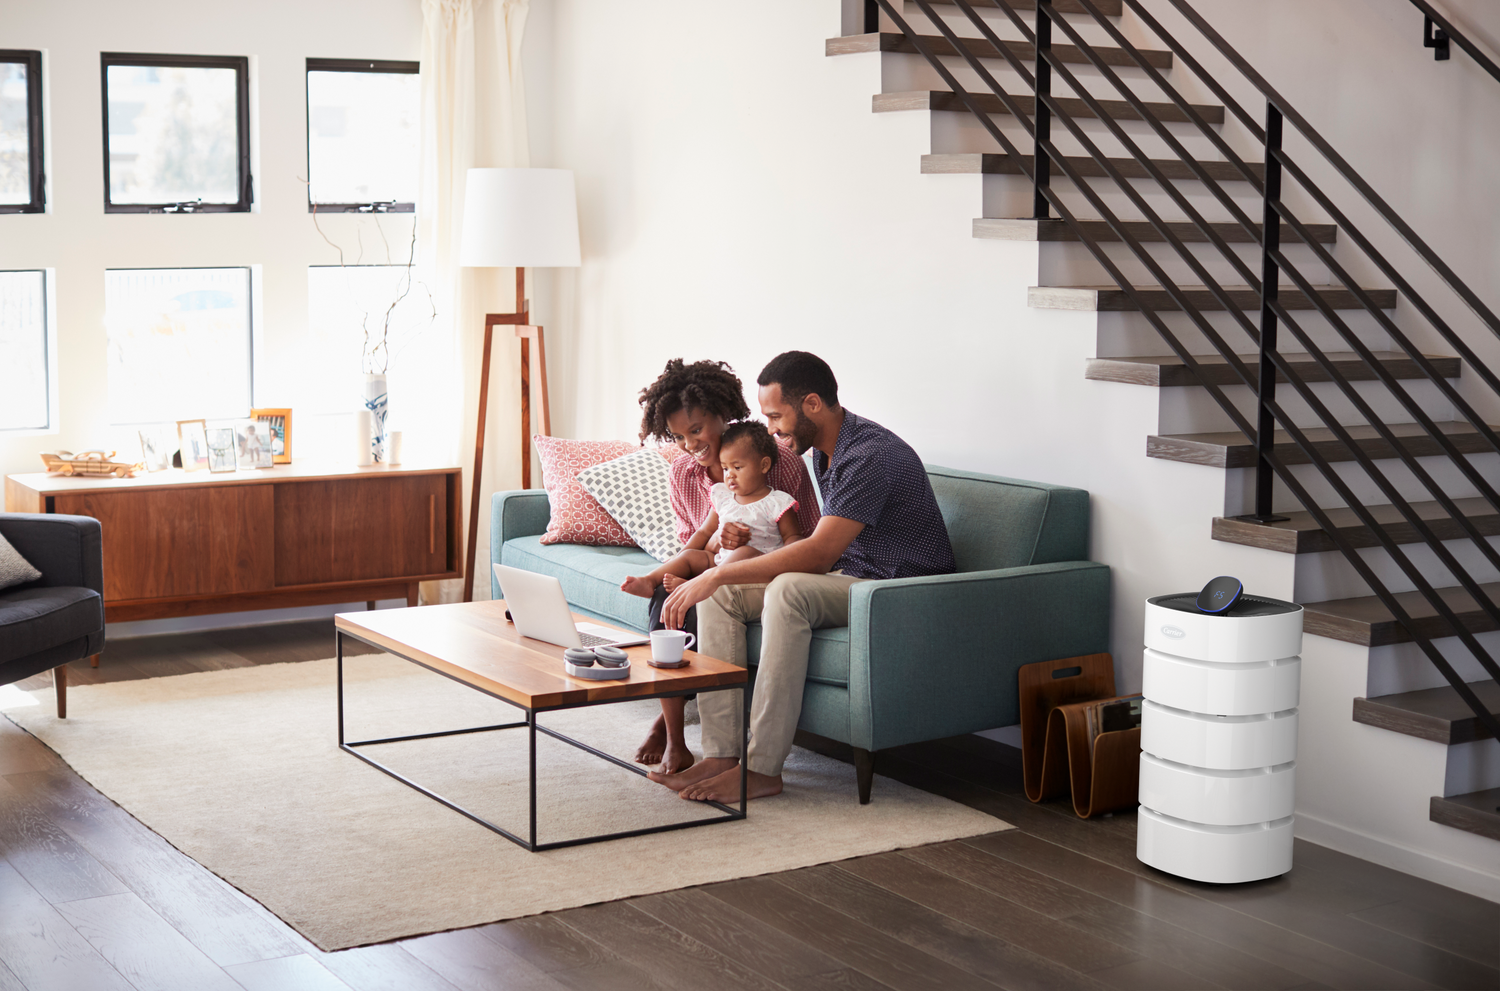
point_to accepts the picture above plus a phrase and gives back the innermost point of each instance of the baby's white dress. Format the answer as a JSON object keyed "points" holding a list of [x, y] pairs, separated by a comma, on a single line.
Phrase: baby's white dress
{"points": [[761, 517]]}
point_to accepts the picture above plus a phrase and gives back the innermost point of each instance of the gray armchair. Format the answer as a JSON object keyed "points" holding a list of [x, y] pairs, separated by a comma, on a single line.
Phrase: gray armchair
{"points": [[59, 618]]}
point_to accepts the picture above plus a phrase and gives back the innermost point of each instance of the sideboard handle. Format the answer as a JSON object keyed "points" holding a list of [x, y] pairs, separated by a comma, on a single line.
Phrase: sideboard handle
{"points": [[432, 524]]}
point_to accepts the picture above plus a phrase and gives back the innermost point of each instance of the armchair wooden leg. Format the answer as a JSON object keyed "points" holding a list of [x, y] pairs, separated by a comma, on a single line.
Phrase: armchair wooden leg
{"points": [[60, 683], [94, 661], [864, 771]]}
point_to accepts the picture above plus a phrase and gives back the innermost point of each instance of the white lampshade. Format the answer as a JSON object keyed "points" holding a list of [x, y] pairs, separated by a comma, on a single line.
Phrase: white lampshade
{"points": [[520, 218]]}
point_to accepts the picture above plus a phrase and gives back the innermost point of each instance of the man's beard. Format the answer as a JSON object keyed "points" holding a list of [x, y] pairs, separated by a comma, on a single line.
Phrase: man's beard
{"points": [[803, 433]]}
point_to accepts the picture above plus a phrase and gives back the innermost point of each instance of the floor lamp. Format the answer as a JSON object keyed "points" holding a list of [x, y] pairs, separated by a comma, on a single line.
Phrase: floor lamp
{"points": [[515, 218]]}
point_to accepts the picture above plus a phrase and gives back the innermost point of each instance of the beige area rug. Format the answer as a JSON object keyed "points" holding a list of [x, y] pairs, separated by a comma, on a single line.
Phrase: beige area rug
{"points": [[240, 770]]}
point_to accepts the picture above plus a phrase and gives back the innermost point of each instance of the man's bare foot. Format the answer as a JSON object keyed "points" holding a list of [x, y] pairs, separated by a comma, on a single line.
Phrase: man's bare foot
{"points": [[725, 787], [677, 758], [670, 582], [638, 585], [705, 768], [656, 744]]}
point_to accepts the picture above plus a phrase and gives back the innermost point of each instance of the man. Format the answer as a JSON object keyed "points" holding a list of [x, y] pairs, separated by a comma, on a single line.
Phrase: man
{"points": [[880, 520]]}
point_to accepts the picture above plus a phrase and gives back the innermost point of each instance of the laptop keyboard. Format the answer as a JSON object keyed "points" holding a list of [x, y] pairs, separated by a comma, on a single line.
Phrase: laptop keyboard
{"points": [[589, 640]]}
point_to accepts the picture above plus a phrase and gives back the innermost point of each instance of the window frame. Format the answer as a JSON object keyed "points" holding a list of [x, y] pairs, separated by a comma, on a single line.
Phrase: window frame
{"points": [[394, 66], [246, 182], [36, 177], [49, 354]]}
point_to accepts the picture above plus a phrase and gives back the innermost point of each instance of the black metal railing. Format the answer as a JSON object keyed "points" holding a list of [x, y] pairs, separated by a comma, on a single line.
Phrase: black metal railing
{"points": [[1439, 34], [1044, 162]]}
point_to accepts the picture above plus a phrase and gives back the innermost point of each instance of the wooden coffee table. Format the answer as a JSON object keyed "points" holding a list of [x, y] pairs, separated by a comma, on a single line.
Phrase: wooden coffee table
{"points": [[473, 644]]}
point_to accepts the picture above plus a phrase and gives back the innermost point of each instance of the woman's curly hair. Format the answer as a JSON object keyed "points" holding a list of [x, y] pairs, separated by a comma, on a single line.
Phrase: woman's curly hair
{"points": [[710, 386]]}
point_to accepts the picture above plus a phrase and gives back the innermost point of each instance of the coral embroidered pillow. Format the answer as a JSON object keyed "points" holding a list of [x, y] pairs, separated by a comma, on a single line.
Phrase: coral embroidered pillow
{"points": [[577, 517], [636, 491]]}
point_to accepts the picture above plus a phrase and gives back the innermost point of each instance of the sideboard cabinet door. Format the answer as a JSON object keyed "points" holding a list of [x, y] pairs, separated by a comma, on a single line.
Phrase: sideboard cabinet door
{"points": [[185, 541], [341, 530]]}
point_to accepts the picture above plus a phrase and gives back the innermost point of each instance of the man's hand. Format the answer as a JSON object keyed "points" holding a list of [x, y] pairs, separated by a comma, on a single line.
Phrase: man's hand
{"points": [[686, 596], [734, 535]]}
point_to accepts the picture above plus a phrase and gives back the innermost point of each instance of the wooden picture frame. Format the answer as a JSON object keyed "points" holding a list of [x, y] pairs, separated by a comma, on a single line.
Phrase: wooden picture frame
{"points": [[280, 421], [192, 436]]}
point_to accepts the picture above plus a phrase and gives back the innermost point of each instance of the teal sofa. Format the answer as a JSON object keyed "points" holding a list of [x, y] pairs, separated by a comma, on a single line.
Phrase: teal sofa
{"points": [[921, 658]]}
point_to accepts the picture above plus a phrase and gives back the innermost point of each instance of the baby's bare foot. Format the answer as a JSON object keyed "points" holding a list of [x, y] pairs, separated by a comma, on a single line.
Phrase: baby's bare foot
{"points": [[670, 582], [638, 585]]}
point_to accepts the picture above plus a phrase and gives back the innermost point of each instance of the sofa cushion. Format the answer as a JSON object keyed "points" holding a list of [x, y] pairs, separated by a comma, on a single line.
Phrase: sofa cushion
{"points": [[590, 576], [827, 657], [34, 619], [996, 522]]}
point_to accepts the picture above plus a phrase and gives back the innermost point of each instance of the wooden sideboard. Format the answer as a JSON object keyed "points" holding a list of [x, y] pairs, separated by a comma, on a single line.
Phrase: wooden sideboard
{"points": [[182, 543]]}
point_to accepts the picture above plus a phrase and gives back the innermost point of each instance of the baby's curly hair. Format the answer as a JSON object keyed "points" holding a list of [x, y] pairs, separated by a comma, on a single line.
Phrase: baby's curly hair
{"points": [[710, 386], [761, 441]]}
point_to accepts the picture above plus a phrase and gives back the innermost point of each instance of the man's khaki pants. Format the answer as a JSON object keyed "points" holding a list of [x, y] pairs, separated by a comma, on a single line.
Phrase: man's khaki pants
{"points": [[789, 609]]}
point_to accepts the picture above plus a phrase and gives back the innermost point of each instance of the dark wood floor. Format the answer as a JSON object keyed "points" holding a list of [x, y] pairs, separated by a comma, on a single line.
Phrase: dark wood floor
{"points": [[91, 900]]}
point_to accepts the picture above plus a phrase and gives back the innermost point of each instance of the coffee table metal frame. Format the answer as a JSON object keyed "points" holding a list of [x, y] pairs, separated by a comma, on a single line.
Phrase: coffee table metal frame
{"points": [[730, 814]]}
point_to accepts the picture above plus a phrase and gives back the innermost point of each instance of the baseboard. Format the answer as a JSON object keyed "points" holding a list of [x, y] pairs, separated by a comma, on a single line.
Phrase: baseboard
{"points": [[1463, 877]]}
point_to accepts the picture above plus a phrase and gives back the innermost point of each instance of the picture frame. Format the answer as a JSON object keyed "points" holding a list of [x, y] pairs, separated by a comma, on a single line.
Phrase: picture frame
{"points": [[156, 448], [252, 444], [222, 449], [280, 422], [192, 437]]}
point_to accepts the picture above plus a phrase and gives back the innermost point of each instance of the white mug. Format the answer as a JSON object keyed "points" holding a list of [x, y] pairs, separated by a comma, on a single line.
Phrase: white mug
{"points": [[667, 646]]}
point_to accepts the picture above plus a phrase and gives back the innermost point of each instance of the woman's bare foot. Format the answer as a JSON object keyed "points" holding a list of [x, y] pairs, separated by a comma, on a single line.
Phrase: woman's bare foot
{"points": [[725, 787], [677, 758], [704, 769], [652, 751], [670, 582], [638, 585]]}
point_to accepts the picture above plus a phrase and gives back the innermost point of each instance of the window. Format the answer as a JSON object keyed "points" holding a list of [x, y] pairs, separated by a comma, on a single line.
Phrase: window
{"points": [[176, 133], [179, 343], [347, 312], [21, 184], [25, 378], [363, 131]]}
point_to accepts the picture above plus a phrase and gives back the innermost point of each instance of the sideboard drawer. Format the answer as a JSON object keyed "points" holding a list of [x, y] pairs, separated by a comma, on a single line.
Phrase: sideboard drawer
{"points": [[343, 530]]}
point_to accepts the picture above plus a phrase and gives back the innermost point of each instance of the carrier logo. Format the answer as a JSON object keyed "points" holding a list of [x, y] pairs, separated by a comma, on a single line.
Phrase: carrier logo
{"points": [[1173, 632]]}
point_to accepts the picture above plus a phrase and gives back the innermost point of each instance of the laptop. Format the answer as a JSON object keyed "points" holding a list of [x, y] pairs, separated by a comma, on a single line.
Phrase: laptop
{"points": [[540, 611]]}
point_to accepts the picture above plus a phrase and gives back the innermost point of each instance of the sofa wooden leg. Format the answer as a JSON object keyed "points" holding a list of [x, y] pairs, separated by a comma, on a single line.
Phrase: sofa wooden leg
{"points": [[94, 661], [60, 684], [864, 770]]}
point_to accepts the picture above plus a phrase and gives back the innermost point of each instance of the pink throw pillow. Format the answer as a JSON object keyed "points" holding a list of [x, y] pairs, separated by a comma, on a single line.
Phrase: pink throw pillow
{"points": [[577, 517]]}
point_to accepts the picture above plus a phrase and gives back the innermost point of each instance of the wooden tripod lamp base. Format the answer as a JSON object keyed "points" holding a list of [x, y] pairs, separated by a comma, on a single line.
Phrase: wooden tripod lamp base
{"points": [[527, 333]]}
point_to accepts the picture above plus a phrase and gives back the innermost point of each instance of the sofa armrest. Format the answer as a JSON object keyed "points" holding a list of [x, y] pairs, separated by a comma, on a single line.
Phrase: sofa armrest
{"points": [[937, 656], [67, 550], [518, 513]]}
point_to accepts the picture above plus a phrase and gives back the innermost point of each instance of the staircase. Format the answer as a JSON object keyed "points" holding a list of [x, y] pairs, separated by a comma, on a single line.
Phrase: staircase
{"points": [[1366, 473]]}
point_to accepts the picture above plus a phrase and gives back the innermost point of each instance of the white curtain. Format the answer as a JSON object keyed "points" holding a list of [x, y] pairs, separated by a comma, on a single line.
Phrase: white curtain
{"points": [[473, 116]]}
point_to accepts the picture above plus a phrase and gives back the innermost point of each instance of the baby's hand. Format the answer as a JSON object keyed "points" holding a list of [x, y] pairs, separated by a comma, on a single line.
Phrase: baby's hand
{"points": [[639, 585]]}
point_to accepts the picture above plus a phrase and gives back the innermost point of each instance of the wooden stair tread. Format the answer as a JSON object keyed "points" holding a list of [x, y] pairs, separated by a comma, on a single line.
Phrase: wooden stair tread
{"points": [[995, 163], [1168, 370], [979, 47], [1029, 229], [1365, 620], [1232, 449], [1435, 714], [943, 100], [1300, 534], [1115, 299], [1109, 8], [1477, 812]]}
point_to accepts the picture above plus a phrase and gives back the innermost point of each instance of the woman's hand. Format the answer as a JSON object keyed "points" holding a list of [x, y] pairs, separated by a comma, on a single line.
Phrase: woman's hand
{"points": [[733, 535]]}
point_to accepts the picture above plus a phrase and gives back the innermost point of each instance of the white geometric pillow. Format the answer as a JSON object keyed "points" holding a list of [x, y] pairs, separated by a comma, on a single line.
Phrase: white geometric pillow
{"points": [[14, 569], [636, 491]]}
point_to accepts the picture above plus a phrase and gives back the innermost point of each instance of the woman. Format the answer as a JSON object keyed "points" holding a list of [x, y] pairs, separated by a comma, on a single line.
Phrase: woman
{"points": [[690, 405]]}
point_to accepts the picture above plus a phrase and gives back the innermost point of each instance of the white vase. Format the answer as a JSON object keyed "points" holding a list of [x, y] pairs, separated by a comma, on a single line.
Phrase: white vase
{"points": [[377, 401]]}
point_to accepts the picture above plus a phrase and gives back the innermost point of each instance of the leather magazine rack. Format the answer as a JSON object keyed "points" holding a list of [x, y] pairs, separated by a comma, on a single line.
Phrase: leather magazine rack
{"points": [[1056, 757]]}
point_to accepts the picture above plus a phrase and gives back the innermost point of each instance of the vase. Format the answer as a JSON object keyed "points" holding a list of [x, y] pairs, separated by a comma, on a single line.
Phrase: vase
{"points": [[377, 402]]}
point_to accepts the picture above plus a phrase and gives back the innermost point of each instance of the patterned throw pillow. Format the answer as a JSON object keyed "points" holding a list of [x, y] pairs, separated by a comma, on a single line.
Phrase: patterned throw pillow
{"points": [[14, 569], [577, 517], [636, 490]]}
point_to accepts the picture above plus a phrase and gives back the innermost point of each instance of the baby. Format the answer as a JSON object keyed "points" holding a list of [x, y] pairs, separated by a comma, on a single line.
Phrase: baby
{"points": [[747, 452]]}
